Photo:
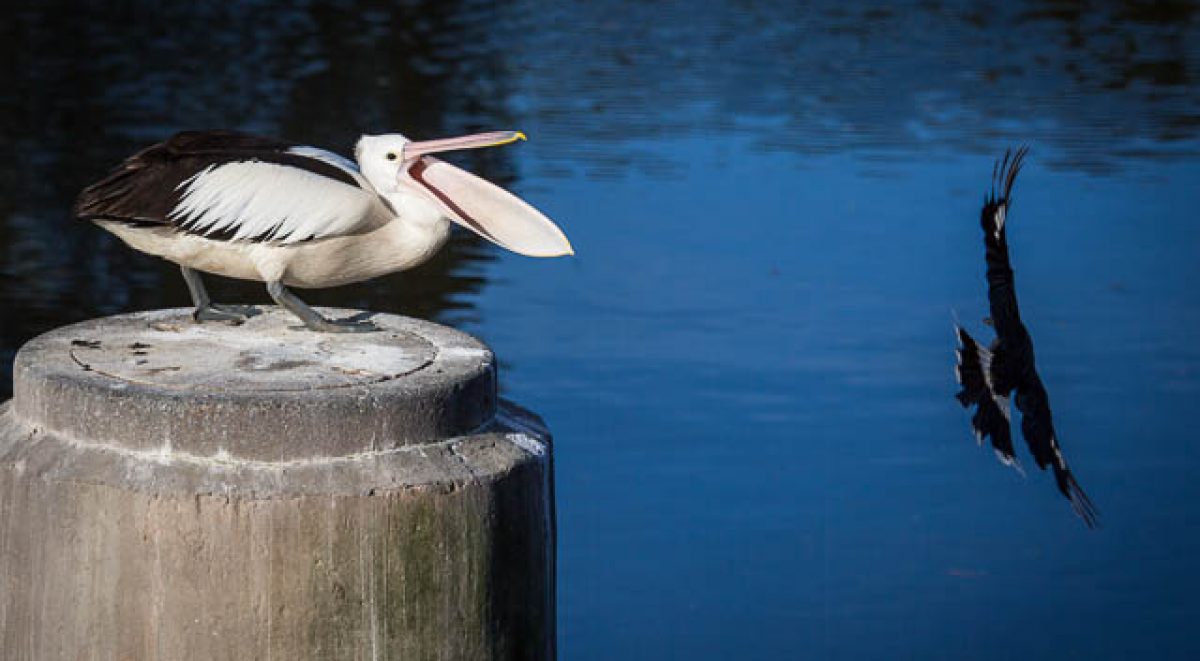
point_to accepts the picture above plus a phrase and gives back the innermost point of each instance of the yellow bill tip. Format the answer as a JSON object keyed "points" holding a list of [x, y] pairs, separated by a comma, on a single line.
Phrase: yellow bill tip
{"points": [[513, 136]]}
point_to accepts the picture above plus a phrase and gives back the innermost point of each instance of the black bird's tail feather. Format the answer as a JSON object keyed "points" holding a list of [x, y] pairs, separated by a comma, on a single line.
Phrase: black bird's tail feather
{"points": [[1080, 502]]}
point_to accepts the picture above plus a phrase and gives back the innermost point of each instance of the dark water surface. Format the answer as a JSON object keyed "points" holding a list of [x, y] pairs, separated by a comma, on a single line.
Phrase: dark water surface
{"points": [[748, 366]]}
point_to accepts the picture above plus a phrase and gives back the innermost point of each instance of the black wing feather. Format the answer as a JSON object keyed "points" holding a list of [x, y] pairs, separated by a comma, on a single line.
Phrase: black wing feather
{"points": [[1037, 426], [990, 420], [145, 188]]}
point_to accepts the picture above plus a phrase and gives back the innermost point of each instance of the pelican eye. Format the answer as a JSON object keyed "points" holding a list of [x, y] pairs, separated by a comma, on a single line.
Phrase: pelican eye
{"points": [[391, 156]]}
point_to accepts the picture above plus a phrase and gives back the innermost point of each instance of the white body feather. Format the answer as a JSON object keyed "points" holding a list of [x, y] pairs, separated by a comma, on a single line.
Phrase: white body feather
{"points": [[328, 262]]}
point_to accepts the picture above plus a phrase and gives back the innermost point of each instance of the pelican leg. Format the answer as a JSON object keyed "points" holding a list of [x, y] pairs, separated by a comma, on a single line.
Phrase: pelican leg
{"points": [[206, 310], [311, 318]]}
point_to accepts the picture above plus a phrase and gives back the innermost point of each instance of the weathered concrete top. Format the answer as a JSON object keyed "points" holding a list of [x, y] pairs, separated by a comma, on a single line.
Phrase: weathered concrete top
{"points": [[151, 380]]}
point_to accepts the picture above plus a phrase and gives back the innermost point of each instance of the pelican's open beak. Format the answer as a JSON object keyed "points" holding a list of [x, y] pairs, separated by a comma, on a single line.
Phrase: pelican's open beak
{"points": [[476, 141], [479, 205]]}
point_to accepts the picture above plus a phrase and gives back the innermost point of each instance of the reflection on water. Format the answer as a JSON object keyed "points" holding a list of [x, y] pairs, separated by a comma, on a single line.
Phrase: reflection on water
{"points": [[1099, 82], [745, 364]]}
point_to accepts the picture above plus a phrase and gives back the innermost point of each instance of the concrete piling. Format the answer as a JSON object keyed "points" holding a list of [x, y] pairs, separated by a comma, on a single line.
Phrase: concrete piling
{"points": [[173, 490]]}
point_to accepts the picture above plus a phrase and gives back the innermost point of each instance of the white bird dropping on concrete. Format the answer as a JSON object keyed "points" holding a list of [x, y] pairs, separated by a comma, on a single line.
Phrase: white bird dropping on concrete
{"points": [[261, 209]]}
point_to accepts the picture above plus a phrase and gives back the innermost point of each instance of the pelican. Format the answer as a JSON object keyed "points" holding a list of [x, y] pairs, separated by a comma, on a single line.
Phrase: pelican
{"points": [[290, 215], [990, 376]]}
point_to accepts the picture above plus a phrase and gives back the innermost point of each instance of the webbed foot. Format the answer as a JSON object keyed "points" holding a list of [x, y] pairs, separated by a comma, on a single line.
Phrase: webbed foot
{"points": [[245, 311], [324, 325], [214, 313]]}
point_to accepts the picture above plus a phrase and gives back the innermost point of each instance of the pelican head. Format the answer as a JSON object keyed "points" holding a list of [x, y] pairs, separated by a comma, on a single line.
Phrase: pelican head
{"points": [[382, 157], [395, 164]]}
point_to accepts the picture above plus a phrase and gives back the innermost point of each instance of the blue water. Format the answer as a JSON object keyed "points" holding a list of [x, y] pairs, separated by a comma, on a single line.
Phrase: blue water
{"points": [[748, 367]]}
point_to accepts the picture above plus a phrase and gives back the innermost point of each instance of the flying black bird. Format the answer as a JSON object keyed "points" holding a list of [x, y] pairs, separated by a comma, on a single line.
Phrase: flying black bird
{"points": [[990, 376]]}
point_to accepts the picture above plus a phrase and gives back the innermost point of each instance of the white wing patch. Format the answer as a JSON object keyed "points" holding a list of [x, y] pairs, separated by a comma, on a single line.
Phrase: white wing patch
{"points": [[270, 202], [1011, 462], [985, 362]]}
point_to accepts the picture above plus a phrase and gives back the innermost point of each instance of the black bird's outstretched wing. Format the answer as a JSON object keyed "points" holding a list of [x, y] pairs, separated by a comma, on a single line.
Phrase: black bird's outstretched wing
{"points": [[991, 419], [234, 186], [1037, 426], [989, 377], [1002, 292]]}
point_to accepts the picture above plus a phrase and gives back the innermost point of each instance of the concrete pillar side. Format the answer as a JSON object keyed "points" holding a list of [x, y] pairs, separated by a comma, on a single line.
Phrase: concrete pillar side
{"points": [[393, 548]]}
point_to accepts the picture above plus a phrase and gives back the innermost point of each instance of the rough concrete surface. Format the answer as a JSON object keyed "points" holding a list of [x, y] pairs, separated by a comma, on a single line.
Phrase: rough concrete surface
{"points": [[133, 527], [154, 379]]}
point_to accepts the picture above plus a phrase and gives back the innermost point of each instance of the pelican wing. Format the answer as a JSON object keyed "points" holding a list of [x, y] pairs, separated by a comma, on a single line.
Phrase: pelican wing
{"points": [[237, 187]]}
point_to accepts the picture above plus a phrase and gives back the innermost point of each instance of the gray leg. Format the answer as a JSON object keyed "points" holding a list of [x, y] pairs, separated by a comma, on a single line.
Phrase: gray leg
{"points": [[311, 318], [205, 310]]}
